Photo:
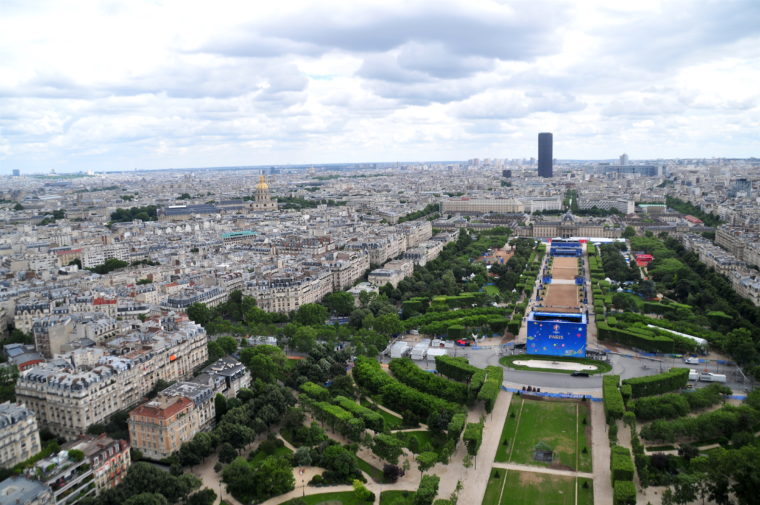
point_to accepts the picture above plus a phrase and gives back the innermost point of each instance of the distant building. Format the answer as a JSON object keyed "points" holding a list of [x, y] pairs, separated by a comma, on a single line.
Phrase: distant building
{"points": [[262, 201], [19, 435], [23, 491], [545, 154], [158, 428]]}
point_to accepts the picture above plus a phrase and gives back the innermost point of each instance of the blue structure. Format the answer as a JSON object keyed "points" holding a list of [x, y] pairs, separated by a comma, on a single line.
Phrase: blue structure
{"points": [[566, 248], [557, 334]]}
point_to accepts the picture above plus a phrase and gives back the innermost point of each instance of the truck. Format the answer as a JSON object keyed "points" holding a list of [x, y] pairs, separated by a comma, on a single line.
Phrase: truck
{"points": [[693, 375], [712, 377]]}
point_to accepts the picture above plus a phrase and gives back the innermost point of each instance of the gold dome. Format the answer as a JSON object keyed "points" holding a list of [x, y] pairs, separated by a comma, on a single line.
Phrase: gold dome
{"points": [[262, 183]]}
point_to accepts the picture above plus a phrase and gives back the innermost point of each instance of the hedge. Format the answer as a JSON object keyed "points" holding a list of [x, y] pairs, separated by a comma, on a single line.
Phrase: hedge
{"points": [[398, 396], [315, 391], [427, 490], [614, 408], [410, 374], [621, 464], [645, 342], [624, 493], [455, 368], [626, 391], [490, 389], [456, 425], [473, 437], [387, 447], [675, 378], [372, 420], [721, 423]]}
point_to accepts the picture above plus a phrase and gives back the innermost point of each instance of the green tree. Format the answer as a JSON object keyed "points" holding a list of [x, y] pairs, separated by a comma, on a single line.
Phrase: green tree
{"points": [[220, 405], [340, 303], [228, 344], [199, 313], [266, 362], [205, 496], [388, 324], [311, 314], [273, 477], [629, 232], [146, 499]]}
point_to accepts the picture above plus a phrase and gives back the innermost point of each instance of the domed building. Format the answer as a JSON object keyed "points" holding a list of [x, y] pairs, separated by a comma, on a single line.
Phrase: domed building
{"points": [[262, 200]]}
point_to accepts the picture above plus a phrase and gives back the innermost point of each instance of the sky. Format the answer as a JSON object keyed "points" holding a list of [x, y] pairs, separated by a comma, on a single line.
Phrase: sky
{"points": [[109, 85]]}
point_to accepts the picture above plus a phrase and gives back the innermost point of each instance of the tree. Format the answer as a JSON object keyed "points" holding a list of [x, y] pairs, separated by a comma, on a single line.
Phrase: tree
{"points": [[388, 324], [273, 477], [629, 232], [266, 362], [340, 302], [147, 499], [343, 385], [240, 479], [205, 496], [228, 344], [304, 338], [227, 453], [339, 461], [199, 313], [302, 456], [311, 314], [361, 493], [220, 405], [426, 460]]}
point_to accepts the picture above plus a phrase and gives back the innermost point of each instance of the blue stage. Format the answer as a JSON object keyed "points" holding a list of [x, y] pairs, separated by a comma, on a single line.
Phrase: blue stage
{"points": [[557, 334], [566, 248]]}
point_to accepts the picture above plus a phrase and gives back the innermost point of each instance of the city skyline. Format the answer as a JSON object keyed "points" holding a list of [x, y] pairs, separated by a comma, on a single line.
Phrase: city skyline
{"points": [[120, 86]]}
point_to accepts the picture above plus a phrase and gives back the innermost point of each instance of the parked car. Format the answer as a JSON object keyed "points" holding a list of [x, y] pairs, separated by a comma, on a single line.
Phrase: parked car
{"points": [[580, 374], [463, 343]]}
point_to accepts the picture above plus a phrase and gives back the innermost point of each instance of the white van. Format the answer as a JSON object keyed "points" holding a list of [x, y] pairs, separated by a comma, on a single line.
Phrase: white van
{"points": [[691, 361], [712, 377], [693, 375]]}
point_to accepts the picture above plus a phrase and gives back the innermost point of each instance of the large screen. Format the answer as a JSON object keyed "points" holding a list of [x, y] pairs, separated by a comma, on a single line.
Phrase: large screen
{"points": [[557, 338]]}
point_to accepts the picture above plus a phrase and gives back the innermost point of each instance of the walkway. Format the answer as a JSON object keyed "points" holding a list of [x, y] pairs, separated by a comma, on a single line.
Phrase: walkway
{"points": [[542, 469], [475, 478], [600, 456]]}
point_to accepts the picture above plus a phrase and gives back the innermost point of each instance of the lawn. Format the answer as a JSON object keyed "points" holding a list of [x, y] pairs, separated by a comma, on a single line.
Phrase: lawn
{"points": [[601, 366], [508, 432], [259, 456], [527, 488], [342, 498], [553, 423], [585, 495], [392, 422], [495, 484], [491, 290], [424, 440], [390, 497], [376, 474], [584, 435]]}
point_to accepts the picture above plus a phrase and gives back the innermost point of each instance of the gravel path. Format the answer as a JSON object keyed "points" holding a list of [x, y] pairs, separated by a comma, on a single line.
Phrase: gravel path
{"points": [[542, 469], [600, 451]]}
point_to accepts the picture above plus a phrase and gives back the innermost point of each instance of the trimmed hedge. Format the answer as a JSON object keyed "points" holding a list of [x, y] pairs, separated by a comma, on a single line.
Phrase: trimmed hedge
{"points": [[646, 342], [410, 374], [490, 389], [427, 491], [614, 408], [387, 447], [315, 391], [721, 423], [621, 464], [398, 396], [456, 425], [372, 420], [455, 368], [473, 437], [675, 378], [624, 493]]}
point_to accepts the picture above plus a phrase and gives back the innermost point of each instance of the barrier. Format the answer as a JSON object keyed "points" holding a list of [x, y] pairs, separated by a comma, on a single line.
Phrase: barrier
{"points": [[565, 396]]}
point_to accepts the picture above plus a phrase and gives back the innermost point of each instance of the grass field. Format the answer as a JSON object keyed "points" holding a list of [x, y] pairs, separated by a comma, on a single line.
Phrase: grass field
{"points": [[491, 290], [374, 472], [342, 498], [601, 366], [259, 456], [558, 424], [393, 497], [508, 432], [526, 488]]}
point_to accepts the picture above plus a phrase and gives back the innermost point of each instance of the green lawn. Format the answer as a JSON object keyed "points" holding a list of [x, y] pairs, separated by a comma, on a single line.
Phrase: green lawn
{"points": [[376, 473], [527, 488], [491, 290], [553, 423], [392, 422], [423, 437], [495, 484], [508, 432], [390, 497], [584, 435], [343, 498], [259, 456], [585, 495], [601, 366]]}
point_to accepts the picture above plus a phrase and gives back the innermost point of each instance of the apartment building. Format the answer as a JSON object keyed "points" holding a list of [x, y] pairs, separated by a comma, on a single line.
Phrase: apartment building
{"points": [[23, 491], [67, 400], [227, 375], [19, 435], [482, 206], [160, 427], [287, 291]]}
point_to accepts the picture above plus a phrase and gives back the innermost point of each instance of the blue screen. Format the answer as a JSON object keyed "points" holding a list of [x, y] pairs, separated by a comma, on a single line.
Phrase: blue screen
{"points": [[557, 338]]}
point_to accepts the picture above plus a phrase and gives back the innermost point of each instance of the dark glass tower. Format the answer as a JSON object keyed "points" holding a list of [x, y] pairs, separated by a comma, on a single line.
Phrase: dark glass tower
{"points": [[545, 141]]}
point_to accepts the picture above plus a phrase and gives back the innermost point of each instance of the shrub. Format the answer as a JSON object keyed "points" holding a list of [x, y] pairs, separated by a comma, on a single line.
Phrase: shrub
{"points": [[455, 368], [490, 389], [621, 464], [473, 437], [675, 378], [427, 490], [624, 493], [315, 391], [613, 400], [456, 425], [372, 420], [410, 374]]}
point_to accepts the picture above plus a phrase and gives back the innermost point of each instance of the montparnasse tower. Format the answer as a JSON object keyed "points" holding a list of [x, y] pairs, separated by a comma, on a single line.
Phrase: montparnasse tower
{"points": [[262, 200]]}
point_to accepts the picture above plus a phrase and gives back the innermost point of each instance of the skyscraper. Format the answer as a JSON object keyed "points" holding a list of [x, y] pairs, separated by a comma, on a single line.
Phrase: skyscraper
{"points": [[545, 141]]}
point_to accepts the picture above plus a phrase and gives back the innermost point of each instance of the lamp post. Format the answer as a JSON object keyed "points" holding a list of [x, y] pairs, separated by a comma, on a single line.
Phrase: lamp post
{"points": [[303, 487]]}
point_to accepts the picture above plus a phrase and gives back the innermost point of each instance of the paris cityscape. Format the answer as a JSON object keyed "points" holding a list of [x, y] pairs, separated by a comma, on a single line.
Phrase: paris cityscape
{"points": [[413, 253]]}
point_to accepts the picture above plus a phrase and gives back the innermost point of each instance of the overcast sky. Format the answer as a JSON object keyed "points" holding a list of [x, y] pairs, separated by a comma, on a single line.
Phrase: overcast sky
{"points": [[158, 84]]}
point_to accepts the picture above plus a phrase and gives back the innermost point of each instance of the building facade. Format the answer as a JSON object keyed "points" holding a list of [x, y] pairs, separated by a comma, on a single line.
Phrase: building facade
{"points": [[19, 435]]}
